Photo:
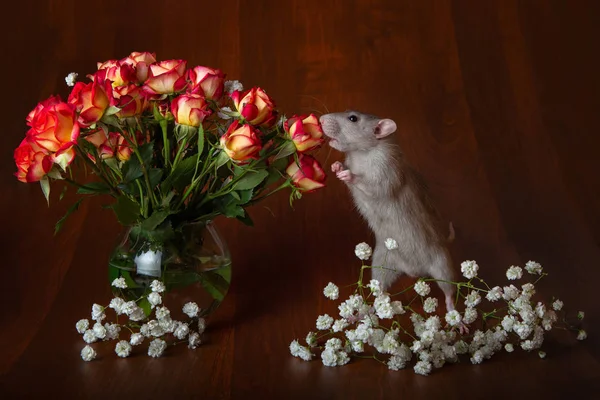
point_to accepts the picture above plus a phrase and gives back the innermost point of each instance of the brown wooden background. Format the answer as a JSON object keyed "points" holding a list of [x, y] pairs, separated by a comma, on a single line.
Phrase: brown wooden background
{"points": [[496, 103]]}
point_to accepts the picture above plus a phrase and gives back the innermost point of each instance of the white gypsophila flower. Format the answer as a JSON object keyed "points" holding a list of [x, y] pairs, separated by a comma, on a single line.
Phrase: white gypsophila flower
{"points": [[391, 244], [232, 86], [494, 294], [194, 340], [119, 283], [311, 339], [422, 368], [191, 309], [329, 357], [508, 323], [363, 332], [510, 293], [145, 330], [342, 358], [549, 319], [396, 363], [157, 348], [430, 305], [331, 291], [181, 331], [509, 347], [427, 337], [453, 318], [162, 313], [89, 336], [473, 299], [557, 305], [477, 357], [581, 335], [71, 79], [528, 290], [422, 288], [295, 347], [224, 113], [461, 347], [156, 329], [157, 286], [112, 331], [522, 329], [82, 325], [469, 269], [88, 353], [433, 323], [375, 287], [333, 343], [339, 325], [540, 309], [137, 314], [123, 348], [168, 325], [363, 251], [128, 307], [383, 307], [580, 315], [533, 268], [154, 299], [324, 322], [98, 312], [542, 354], [390, 343], [397, 307], [136, 339], [117, 304], [99, 330], [201, 325], [469, 316], [514, 272], [357, 346]]}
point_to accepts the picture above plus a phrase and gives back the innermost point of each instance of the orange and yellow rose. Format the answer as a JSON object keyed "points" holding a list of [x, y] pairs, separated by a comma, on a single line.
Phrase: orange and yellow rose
{"points": [[33, 162], [207, 81], [130, 100], [109, 146], [53, 125], [305, 132], [308, 176], [241, 142], [165, 77], [255, 106], [92, 99], [189, 109]]}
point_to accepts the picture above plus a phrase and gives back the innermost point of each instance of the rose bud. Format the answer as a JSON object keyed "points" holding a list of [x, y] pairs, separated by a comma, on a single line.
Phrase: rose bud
{"points": [[103, 144], [33, 163], [307, 177], [189, 109], [130, 100], [207, 81], [91, 99], [255, 106], [241, 143], [141, 62], [305, 132], [53, 126], [123, 150], [164, 78]]}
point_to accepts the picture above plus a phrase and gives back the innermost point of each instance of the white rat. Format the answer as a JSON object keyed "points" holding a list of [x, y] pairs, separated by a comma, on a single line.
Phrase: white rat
{"points": [[392, 198]]}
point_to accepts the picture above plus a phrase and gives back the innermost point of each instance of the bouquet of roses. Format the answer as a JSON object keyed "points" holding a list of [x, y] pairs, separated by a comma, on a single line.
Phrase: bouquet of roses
{"points": [[169, 143]]}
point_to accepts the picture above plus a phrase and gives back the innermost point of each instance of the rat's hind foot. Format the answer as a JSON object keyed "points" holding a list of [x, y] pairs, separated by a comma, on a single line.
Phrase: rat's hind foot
{"points": [[337, 167], [345, 175]]}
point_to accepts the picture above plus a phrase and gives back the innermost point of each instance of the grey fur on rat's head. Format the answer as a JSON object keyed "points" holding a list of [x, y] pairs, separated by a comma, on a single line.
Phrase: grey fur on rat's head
{"points": [[354, 131]]}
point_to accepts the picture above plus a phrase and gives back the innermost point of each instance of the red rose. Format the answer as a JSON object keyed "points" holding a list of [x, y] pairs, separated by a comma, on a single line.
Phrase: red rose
{"points": [[207, 81], [308, 176], [130, 100], [241, 143], [53, 125], [305, 132], [255, 106]]}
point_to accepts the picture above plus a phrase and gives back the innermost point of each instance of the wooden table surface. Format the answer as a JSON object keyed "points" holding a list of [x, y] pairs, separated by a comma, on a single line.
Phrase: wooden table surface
{"points": [[497, 105]]}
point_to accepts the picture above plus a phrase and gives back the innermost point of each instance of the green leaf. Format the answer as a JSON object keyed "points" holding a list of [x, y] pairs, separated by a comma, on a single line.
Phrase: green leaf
{"points": [[145, 305], [285, 150], [200, 139], [111, 110], [94, 188], [244, 196], [62, 193], [232, 210], [154, 175], [70, 211], [251, 180], [222, 159], [246, 220], [214, 284], [127, 211], [155, 220], [181, 176], [235, 195], [45, 185], [111, 120], [132, 169]]}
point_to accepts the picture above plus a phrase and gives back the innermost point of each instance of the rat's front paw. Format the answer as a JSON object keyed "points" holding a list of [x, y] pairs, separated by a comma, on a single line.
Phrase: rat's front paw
{"points": [[344, 176], [337, 167]]}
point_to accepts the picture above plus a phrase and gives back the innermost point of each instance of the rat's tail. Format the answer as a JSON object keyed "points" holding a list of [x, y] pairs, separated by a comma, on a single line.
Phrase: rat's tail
{"points": [[451, 235]]}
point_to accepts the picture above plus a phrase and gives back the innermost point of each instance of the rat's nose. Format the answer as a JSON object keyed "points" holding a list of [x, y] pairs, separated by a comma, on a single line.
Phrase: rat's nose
{"points": [[323, 118]]}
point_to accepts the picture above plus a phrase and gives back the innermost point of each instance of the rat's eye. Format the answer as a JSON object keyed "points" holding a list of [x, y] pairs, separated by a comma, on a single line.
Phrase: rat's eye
{"points": [[353, 118]]}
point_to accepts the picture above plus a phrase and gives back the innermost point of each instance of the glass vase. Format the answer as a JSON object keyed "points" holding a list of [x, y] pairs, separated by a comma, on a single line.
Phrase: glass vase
{"points": [[192, 261]]}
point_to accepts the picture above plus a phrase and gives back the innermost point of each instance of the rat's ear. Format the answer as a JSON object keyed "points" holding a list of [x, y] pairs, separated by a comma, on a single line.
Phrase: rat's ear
{"points": [[385, 127]]}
